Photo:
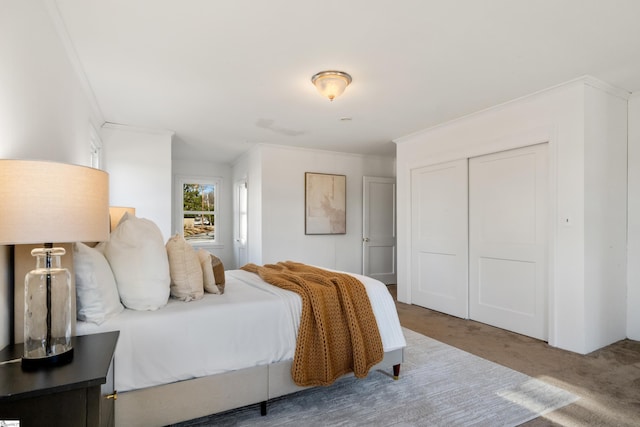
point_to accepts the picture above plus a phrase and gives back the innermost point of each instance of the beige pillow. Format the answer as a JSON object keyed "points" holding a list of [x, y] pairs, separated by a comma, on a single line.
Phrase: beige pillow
{"points": [[184, 269], [209, 279]]}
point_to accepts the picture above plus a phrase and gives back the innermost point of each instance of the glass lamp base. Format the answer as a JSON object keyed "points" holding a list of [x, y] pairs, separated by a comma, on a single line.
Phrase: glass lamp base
{"points": [[34, 363]]}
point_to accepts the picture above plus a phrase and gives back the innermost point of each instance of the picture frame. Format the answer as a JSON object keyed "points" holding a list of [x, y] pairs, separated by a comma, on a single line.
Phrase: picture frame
{"points": [[325, 203]]}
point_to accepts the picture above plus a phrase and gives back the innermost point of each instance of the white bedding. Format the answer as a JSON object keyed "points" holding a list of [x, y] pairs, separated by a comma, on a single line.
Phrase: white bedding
{"points": [[251, 324]]}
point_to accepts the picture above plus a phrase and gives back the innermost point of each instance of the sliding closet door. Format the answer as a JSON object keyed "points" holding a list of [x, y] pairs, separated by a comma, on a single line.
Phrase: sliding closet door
{"points": [[439, 258], [508, 240]]}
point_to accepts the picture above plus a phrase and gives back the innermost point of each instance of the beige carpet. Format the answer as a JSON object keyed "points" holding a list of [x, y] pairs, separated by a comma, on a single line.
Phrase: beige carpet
{"points": [[439, 386]]}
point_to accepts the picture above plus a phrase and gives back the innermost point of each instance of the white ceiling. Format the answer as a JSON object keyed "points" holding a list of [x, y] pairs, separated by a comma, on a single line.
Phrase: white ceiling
{"points": [[224, 75]]}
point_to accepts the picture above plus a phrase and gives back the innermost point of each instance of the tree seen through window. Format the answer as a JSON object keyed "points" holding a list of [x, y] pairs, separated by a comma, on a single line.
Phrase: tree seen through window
{"points": [[199, 211]]}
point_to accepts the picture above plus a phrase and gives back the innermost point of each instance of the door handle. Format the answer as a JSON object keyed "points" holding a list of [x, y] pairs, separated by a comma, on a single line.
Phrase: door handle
{"points": [[365, 239]]}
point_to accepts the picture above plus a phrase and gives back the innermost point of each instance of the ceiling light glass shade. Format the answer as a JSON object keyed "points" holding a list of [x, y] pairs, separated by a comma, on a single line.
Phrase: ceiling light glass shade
{"points": [[46, 202], [331, 84]]}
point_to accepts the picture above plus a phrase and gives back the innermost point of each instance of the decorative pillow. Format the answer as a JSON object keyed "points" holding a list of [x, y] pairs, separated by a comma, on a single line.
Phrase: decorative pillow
{"points": [[139, 263], [97, 296], [209, 279], [185, 270], [218, 272]]}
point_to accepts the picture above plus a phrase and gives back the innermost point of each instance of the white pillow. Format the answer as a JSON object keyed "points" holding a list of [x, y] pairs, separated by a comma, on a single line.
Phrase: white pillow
{"points": [[184, 269], [139, 263], [97, 296], [207, 272]]}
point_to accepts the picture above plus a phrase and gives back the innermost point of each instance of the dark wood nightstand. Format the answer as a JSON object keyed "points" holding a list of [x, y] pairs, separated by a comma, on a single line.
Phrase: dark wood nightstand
{"points": [[77, 394]]}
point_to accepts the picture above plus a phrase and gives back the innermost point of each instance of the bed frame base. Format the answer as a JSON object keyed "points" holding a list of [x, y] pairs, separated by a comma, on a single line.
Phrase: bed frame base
{"points": [[199, 397]]}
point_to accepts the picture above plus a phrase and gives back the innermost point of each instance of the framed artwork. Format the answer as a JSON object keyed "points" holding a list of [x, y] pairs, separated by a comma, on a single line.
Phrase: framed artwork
{"points": [[325, 203]]}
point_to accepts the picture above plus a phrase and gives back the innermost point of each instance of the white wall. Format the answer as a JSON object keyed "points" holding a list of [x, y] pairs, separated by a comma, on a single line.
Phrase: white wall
{"points": [[281, 186], [605, 189], [44, 113], [139, 166], [557, 116], [633, 245], [224, 218]]}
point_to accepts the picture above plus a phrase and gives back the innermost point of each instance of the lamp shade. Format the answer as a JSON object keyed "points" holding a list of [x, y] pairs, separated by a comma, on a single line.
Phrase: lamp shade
{"points": [[117, 212], [52, 202]]}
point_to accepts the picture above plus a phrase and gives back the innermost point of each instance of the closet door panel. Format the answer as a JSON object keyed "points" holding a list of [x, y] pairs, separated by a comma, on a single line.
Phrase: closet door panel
{"points": [[508, 240], [439, 242]]}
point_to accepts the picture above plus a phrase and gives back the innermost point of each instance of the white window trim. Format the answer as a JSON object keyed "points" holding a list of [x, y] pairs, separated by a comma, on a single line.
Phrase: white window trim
{"points": [[95, 148], [238, 214], [180, 180]]}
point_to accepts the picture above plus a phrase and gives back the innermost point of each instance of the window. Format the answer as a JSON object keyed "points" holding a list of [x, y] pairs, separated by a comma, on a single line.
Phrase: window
{"points": [[199, 213]]}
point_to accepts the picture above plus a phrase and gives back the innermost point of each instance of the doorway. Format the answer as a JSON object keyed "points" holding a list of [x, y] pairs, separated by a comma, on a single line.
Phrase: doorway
{"points": [[241, 223], [379, 229]]}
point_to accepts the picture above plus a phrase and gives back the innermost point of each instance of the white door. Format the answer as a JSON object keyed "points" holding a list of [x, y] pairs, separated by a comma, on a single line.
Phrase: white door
{"points": [[439, 241], [508, 240], [379, 229], [240, 222]]}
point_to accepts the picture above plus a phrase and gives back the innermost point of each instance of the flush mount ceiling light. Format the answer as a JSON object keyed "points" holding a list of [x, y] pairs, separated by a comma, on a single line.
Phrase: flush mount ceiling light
{"points": [[331, 83]]}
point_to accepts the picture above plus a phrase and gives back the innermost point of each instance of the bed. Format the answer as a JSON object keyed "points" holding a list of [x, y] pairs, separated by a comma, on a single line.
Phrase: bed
{"points": [[192, 359]]}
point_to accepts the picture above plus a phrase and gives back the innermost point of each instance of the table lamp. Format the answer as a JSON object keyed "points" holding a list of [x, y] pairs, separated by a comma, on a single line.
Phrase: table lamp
{"points": [[116, 213], [47, 202]]}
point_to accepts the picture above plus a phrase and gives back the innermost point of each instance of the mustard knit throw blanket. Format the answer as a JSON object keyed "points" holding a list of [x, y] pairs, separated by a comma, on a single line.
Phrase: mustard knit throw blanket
{"points": [[338, 331]]}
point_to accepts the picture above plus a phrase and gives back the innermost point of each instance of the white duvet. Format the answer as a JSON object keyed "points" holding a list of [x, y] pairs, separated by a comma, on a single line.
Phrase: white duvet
{"points": [[251, 324]]}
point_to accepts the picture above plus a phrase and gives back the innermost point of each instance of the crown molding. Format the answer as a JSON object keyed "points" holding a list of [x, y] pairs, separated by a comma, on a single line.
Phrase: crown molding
{"points": [[585, 80], [321, 151], [128, 128], [606, 87]]}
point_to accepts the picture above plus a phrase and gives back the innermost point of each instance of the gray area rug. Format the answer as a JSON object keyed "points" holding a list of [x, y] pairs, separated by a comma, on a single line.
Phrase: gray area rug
{"points": [[439, 385]]}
